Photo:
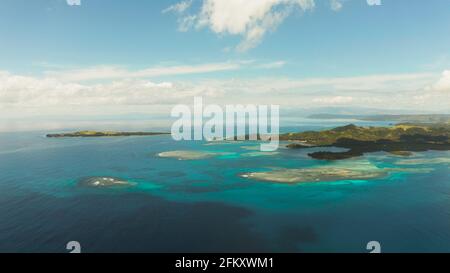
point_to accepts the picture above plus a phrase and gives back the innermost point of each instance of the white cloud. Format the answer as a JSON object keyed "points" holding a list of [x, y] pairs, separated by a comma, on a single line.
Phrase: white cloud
{"points": [[57, 97], [443, 84], [272, 65], [388, 91], [117, 72], [252, 22], [336, 5], [186, 23], [333, 100], [24, 91], [180, 7], [435, 94]]}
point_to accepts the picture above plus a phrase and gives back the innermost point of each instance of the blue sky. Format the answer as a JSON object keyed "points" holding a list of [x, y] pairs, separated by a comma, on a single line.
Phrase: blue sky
{"points": [[322, 52], [398, 36]]}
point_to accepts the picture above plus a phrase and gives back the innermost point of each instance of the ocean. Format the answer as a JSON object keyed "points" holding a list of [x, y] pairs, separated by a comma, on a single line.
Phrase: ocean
{"points": [[207, 204]]}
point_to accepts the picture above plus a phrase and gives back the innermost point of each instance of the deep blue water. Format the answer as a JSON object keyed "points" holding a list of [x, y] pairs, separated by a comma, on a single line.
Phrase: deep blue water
{"points": [[204, 205]]}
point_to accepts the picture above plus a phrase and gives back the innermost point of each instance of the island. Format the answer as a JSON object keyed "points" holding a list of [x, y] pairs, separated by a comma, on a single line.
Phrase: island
{"points": [[105, 134], [104, 182], [400, 139]]}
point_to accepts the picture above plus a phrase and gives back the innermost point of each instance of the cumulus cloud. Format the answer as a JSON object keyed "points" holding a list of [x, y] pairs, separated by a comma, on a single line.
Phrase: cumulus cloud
{"points": [[395, 91], [436, 94], [252, 22], [385, 91], [24, 91], [443, 84]]}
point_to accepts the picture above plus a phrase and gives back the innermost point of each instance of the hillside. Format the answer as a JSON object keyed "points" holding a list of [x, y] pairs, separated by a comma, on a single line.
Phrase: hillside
{"points": [[398, 139]]}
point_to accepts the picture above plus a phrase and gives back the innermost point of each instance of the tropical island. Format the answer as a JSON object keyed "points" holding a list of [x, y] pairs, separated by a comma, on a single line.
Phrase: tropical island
{"points": [[105, 134], [401, 139], [104, 182]]}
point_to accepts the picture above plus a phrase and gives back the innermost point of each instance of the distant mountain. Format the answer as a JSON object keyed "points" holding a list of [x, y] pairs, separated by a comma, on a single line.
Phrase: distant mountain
{"points": [[352, 110], [422, 118]]}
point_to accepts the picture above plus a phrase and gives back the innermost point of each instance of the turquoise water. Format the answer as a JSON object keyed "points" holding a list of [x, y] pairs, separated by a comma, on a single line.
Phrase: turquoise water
{"points": [[205, 205]]}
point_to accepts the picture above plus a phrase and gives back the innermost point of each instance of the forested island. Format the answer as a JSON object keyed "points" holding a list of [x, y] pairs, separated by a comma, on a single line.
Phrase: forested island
{"points": [[401, 139], [105, 134]]}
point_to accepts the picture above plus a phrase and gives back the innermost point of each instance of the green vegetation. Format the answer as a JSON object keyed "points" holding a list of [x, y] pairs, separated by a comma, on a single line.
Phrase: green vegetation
{"points": [[105, 134], [399, 139]]}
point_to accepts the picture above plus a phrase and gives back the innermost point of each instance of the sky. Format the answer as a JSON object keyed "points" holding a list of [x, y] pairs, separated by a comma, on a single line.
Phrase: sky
{"points": [[92, 58]]}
